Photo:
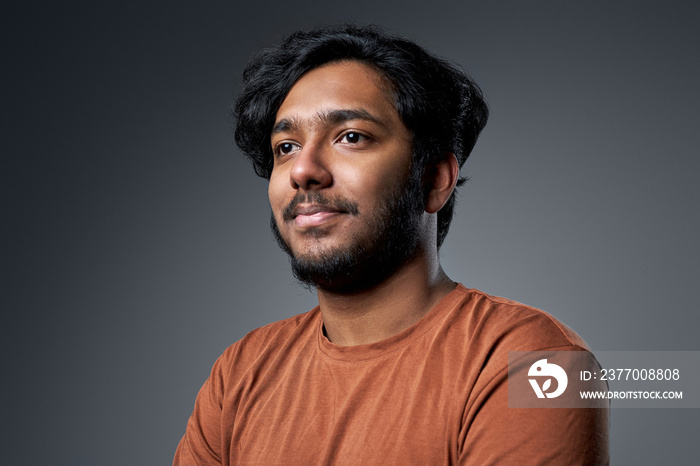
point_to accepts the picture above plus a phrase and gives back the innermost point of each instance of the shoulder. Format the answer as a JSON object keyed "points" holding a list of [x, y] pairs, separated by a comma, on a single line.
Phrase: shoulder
{"points": [[513, 326], [277, 337], [282, 329], [497, 326]]}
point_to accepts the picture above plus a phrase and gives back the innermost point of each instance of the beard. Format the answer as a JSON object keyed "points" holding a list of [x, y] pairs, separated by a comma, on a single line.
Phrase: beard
{"points": [[390, 240]]}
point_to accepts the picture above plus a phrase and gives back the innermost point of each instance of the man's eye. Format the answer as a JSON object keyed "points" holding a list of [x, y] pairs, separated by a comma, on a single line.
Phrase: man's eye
{"points": [[286, 148], [353, 137]]}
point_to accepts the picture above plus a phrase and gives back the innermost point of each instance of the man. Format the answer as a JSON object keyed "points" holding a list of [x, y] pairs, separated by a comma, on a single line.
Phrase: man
{"points": [[362, 136]]}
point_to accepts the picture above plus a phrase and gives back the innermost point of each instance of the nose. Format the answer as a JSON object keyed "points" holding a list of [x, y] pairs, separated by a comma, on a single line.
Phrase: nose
{"points": [[310, 170]]}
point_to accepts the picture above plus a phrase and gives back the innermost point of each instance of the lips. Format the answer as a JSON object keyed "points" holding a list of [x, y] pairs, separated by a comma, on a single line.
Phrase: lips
{"points": [[311, 215], [314, 209]]}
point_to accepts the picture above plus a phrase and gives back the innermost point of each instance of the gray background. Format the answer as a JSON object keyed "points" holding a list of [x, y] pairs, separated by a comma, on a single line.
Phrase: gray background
{"points": [[135, 238]]}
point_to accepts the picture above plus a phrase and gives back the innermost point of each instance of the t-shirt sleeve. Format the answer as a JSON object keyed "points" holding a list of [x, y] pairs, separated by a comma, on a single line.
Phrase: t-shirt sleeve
{"points": [[494, 433], [201, 444]]}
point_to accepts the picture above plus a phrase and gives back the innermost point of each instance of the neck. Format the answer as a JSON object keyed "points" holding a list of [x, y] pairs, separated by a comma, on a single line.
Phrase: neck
{"points": [[388, 308]]}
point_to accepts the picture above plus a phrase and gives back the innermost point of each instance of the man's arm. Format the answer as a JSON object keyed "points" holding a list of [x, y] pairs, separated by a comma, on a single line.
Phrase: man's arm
{"points": [[494, 433], [201, 444]]}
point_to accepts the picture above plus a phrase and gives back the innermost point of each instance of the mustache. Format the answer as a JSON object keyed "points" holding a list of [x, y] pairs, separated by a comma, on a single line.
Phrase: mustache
{"points": [[313, 197]]}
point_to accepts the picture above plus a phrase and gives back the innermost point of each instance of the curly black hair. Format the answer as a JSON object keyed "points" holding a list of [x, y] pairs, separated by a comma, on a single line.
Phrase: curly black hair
{"points": [[441, 106]]}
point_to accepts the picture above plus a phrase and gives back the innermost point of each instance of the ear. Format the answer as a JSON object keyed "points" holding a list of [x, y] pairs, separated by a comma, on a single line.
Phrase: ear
{"points": [[441, 179]]}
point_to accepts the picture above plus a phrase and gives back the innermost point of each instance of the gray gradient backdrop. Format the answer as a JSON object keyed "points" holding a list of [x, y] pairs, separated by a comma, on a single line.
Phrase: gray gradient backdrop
{"points": [[135, 237]]}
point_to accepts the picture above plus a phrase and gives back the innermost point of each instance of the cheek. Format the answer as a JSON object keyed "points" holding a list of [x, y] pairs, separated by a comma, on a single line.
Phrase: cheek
{"points": [[276, 189], [374, 181]]}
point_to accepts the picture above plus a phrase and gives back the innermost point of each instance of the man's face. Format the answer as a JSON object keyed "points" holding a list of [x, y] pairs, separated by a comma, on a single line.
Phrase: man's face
{"points": [[344, 204]]}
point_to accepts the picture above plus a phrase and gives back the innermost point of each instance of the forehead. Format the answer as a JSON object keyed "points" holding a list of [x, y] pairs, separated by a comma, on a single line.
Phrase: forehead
{"points": [[347, 85]]}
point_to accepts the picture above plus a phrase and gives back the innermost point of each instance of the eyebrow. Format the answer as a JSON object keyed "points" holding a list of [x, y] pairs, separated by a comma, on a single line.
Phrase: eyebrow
{"points": [[332, 117]]}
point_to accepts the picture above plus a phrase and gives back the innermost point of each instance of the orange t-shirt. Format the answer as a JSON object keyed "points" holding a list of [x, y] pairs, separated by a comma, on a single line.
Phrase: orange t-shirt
{"points": [[435, 393]]}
